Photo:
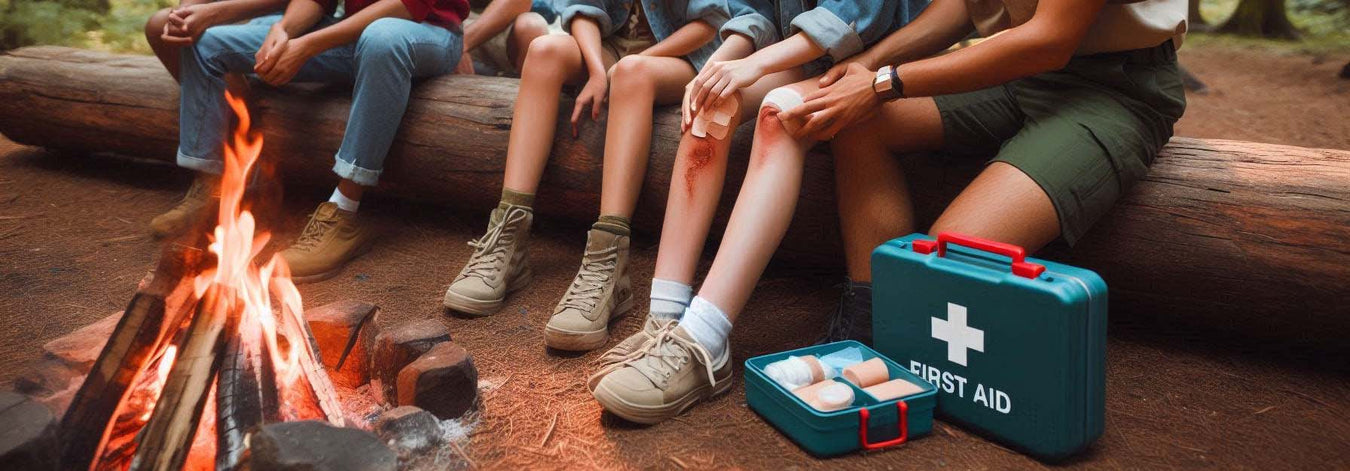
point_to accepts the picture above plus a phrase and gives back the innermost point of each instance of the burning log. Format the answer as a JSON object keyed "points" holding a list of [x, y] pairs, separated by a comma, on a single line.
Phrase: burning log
{"points": [[168, 436], [238, 401]]}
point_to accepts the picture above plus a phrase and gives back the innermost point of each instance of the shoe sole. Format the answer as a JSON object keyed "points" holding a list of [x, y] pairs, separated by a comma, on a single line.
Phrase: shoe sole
{"points": [[485, 307], [574, 341], [361, 250], [651, 415]]}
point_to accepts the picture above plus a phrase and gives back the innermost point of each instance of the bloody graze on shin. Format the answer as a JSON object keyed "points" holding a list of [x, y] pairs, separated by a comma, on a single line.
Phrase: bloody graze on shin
{"points": [[768, 128], [703, 154]]}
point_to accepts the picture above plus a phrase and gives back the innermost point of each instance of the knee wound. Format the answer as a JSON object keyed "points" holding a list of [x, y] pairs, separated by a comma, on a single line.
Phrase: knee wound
{"points": [[783, 99]]}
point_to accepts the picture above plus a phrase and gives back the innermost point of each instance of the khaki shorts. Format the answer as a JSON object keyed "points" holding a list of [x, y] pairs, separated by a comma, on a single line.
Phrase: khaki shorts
{"points": [[493, 52], [1085, 133]]}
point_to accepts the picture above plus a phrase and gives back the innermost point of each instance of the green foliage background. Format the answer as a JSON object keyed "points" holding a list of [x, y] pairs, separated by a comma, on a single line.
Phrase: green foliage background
{"points": [[116, 25]]}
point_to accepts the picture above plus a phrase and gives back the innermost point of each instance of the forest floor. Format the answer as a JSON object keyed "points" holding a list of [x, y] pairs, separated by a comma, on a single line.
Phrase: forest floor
{"points": [[72, 247]]}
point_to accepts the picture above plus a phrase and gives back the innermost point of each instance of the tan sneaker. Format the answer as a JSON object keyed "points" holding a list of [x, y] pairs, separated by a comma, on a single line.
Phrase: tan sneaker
{"points": [[667, 375], [201, 198], [498, 266], [613, 358], [330, 240], [600, 293]]}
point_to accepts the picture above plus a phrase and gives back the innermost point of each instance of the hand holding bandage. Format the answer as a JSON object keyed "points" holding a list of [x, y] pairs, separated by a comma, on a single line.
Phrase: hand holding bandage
{"points": [[715, 121]]}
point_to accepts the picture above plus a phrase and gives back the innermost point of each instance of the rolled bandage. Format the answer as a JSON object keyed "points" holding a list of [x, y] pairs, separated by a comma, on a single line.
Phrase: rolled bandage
{"points": [[826, 396], [868, 373], [716, 121], [784, 98], [893, 389], [796, 372]]}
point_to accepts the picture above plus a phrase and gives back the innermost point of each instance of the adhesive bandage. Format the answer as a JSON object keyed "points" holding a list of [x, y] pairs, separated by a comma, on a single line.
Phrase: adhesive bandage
{"points": [[716, 121], [784, 98]]}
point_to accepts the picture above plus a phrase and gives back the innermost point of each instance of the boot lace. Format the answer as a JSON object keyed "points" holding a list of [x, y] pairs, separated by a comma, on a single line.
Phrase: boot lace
{"points": [[664, 354], [314, 231], [490, 250], [596, 270]]}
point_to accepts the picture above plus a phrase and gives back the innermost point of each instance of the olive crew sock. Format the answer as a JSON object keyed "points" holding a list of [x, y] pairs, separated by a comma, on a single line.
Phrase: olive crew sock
{"points": [[669, 298], [617, 225], [515, 198], [708, 325]]}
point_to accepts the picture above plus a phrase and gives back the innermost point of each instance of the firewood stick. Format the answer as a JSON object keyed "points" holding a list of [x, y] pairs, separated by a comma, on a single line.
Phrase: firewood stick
{"points": [[314, 369], [238, 402], [84, 428], [167, 437]]}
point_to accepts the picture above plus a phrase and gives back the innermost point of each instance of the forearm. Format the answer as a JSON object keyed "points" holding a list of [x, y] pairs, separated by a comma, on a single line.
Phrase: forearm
{"points": [[736, 46], [495, 18], [349, 29], [587, 34], [786, 54], [233, 11], [940, 25], [300, 16], [685, 40]]}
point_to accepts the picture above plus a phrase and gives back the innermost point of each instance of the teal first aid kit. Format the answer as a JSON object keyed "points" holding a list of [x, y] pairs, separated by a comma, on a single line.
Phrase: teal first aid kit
{"points": [[1015, 346], [863, 420]]}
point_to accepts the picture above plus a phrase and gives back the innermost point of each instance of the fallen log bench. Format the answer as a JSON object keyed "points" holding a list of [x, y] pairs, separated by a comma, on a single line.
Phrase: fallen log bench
{"points": [[1221, 234]]}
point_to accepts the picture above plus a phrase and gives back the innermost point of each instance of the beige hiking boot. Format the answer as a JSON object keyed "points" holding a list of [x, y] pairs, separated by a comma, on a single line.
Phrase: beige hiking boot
{"points": [[667, 375], [201, 198], [613, 358], [498, 265], [600, 293], [330, 240]]}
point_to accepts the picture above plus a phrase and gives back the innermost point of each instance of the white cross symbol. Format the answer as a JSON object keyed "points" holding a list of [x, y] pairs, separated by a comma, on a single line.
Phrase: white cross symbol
{"points": [[958, 336]]}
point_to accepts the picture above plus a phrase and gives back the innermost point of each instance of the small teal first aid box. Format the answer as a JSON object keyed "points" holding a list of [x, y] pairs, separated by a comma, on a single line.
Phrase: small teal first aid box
{"points": [[1015, 346]]}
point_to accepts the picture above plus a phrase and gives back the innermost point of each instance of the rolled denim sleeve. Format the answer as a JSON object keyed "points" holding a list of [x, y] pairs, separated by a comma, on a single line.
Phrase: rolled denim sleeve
{"points": [[595, 10], [752, 21], [712, 11], [845, 28]]}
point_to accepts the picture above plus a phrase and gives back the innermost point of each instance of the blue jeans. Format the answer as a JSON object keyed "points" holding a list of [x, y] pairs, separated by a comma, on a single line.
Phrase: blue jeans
{"points": [[381, 64]]}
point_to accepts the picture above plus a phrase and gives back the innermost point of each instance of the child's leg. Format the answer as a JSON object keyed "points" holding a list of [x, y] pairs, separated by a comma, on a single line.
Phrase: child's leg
{"points": [[696, 187], [636, 84], [527, 27], [551, 61], [870, 188]]}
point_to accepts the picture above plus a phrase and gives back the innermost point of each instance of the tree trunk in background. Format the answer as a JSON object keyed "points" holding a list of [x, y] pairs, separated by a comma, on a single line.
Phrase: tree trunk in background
{"points": [[1260, 18]]}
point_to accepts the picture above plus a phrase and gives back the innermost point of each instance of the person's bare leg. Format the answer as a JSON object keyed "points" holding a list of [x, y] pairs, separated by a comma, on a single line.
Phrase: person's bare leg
{"points": [[762, 212], [1005, 205], [696, 187], [637, 83], [168, 54], [552, 61], [870, 188], [527, 27]]}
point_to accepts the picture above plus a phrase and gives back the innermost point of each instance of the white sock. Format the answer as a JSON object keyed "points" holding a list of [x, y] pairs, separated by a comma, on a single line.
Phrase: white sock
{"points": [[670, 298], [343, 202], [707, 325]]}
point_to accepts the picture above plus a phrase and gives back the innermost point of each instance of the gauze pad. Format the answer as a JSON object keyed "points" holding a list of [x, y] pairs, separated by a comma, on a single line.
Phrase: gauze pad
{"points": [[716, 121], [784, 98]]}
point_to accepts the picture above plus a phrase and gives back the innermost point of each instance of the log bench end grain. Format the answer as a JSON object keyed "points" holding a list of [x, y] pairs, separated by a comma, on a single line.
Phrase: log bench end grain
{"points": [[1225, 234]]}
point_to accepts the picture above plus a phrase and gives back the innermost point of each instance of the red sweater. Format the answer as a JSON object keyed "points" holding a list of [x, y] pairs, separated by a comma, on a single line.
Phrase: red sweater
{"points": [[447, 14]]}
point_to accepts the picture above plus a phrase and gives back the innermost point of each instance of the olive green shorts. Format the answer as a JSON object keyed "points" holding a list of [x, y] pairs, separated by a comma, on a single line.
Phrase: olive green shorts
{"points": [[1085, 133]]}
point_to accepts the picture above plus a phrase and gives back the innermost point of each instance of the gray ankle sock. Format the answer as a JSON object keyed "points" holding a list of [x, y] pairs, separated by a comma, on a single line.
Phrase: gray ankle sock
{"points": [[617, 225], [515, 198]]}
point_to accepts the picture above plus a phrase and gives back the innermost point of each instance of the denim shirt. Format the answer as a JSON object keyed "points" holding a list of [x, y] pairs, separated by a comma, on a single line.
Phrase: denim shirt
{"points": [[664, 17], [842, 27]]}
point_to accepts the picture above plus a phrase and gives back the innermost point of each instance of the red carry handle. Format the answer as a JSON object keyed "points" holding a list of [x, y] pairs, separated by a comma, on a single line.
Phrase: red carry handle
{"points": [[1020, 266], [903, 425]]}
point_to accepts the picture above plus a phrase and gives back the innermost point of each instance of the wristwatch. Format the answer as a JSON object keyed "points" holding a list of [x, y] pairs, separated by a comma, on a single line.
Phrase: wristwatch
{"points": [[888, 85]]}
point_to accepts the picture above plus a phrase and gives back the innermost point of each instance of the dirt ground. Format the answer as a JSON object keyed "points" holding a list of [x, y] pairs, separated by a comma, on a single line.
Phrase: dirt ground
{"points": [[73, 245]]}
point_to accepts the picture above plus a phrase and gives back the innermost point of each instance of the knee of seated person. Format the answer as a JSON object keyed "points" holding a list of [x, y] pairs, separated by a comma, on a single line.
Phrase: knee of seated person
{"points": [[546, 51], [528, 25], [777, 100], [154, 26], [384, 35], [632, 73]]}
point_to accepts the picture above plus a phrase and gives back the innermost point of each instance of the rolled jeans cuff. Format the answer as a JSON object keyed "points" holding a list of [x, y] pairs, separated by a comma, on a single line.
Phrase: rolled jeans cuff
{"points": [[211, 166], [349, 171]]}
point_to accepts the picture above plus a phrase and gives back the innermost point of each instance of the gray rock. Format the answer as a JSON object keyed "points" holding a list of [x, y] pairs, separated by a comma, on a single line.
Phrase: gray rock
{"points": [[312, 445], [27, 434], [409, 430]]}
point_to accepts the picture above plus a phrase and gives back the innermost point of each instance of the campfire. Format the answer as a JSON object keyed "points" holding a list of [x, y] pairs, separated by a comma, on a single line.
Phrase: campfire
{"points": [[211, 347]]}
